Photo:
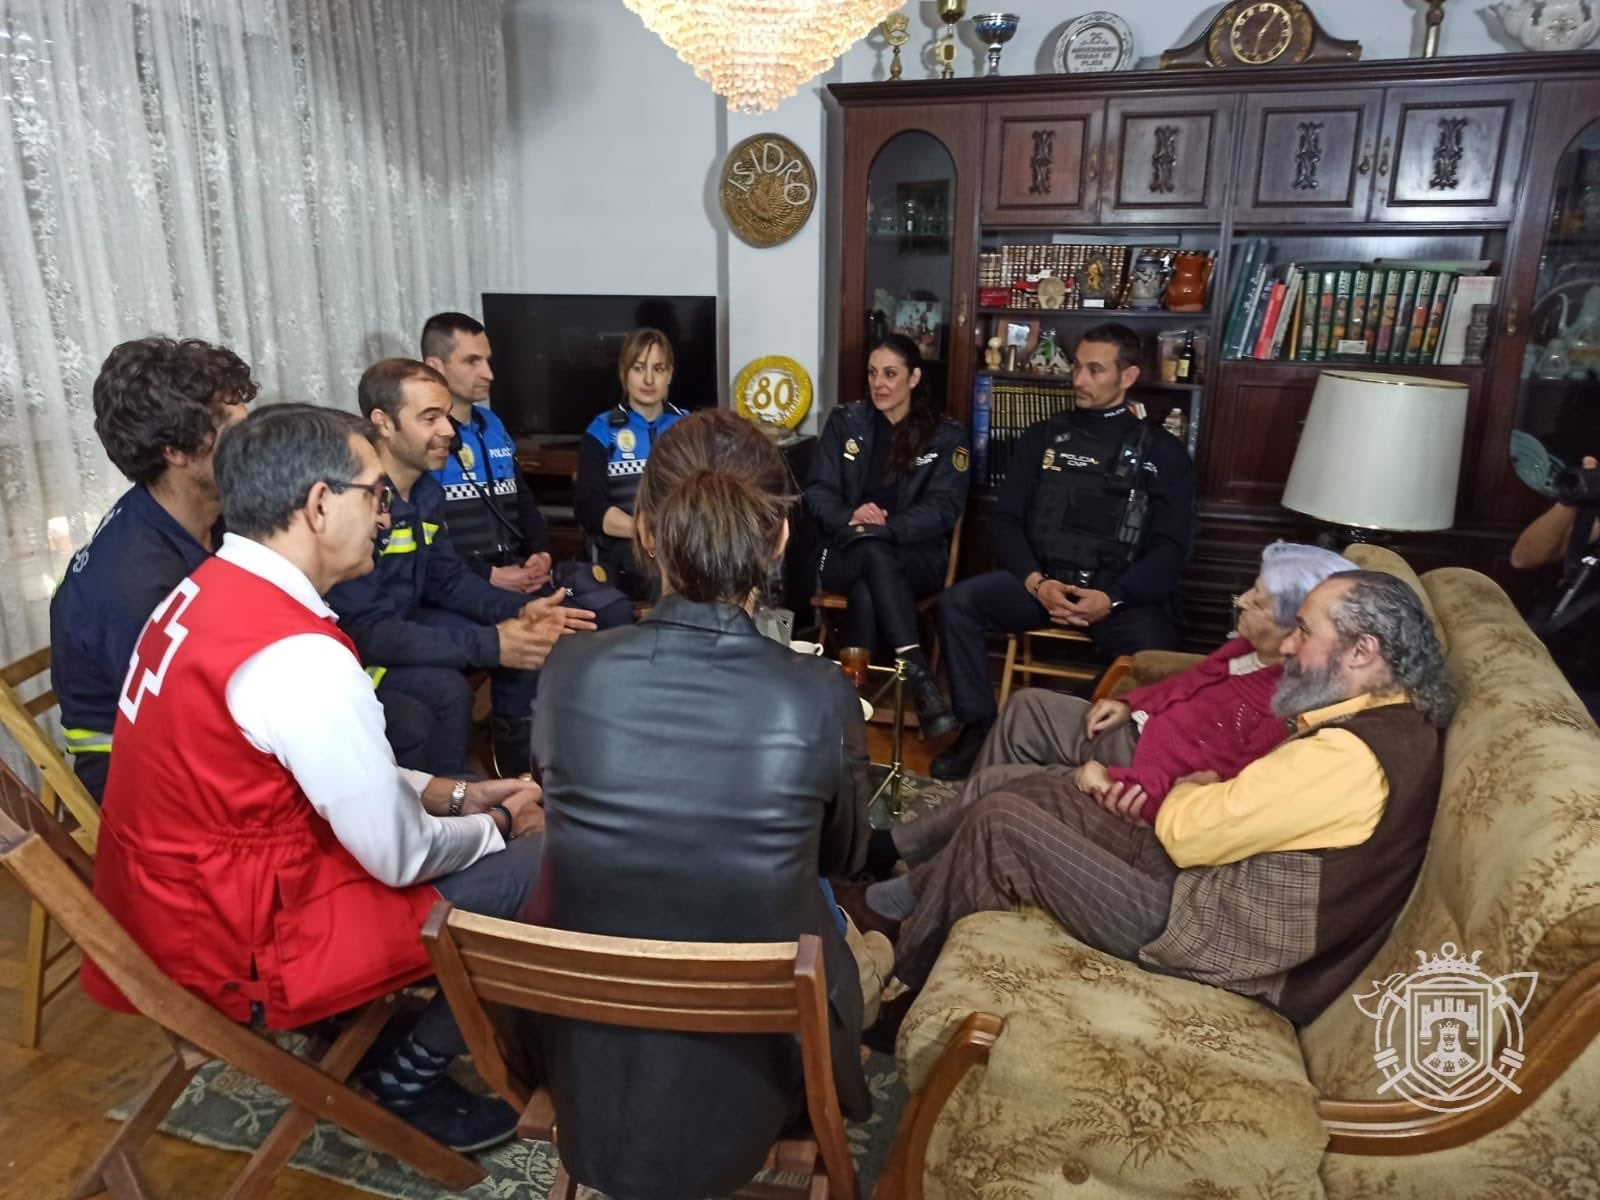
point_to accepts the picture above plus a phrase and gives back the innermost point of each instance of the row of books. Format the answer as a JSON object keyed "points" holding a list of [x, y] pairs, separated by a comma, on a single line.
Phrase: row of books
{"points": [[1001, 410], [1383, 311]]}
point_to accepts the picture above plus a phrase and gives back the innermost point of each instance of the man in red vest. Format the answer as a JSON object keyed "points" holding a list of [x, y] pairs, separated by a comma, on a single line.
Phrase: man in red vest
{"points": [[259, 842]]}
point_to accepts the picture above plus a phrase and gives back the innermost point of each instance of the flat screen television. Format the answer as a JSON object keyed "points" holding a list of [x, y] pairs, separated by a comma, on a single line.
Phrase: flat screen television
{"points": [[555, 357]]}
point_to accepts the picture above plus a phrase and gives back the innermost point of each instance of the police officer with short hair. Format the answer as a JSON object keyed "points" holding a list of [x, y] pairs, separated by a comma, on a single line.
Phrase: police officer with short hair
{"points": [[159, 405], [613, 451], [1091, 530], [493, 517]]}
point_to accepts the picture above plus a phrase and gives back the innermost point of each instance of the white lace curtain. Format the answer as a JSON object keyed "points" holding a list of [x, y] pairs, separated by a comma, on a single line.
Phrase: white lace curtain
{"points": [[303, 181]]}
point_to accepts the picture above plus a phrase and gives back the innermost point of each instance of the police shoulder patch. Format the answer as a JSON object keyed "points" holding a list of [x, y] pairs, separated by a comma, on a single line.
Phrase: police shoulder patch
{"points": [[959, 459]]}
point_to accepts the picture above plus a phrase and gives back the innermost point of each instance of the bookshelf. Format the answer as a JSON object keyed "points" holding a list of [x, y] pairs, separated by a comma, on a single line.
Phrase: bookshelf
{"points": [[1367, 164]]}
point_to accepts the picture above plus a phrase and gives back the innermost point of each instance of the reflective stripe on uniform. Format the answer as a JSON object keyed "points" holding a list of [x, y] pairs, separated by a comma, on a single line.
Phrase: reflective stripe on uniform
{"points": [[404, 539], [87, 741], [376, 674]]}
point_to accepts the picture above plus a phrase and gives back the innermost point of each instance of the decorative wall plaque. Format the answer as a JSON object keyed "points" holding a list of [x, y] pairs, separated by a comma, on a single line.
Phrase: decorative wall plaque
{"points": [[1097, 41], [1260, 33], [773, 389], [768, 189]]}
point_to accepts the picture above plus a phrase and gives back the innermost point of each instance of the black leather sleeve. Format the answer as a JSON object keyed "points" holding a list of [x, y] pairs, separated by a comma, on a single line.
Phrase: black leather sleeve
{"points": [[844, 825]]}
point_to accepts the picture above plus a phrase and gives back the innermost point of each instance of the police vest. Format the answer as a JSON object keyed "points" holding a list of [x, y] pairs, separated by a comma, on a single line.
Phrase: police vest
{"points": [[1087, 512], [627, 437], [482, 471]]}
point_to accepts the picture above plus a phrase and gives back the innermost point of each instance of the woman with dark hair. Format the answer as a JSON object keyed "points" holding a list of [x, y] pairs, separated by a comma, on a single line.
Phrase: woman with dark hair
{"points": [[700, 779], [888, 486], [613, 451]]}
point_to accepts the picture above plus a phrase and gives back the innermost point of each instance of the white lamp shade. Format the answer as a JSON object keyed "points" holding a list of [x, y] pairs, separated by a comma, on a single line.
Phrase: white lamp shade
{"points": [[1380, 452]]}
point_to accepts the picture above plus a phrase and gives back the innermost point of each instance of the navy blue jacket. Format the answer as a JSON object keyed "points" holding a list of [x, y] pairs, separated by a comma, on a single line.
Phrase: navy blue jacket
{"points": [[137, 555], [417, 566]]}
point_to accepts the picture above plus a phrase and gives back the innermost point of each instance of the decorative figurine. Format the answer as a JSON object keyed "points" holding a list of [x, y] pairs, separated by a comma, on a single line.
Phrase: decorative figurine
{"points": [[896, 31], [1550, 24], [1094, 280], [1186, 291], [991, 354], [944, 51], [1052, 291], [995, 29], [1149, 278]]}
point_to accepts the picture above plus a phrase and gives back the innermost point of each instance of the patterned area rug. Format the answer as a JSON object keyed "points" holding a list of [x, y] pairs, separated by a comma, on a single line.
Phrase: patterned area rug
{"points": [[223, 1108]]}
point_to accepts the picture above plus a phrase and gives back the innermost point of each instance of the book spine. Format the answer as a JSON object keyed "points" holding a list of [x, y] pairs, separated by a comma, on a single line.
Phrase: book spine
{"points": [[1391, 307], [1427, 283], [982, 404], [1402, 316], [1269, 320], [1441, 301], [1252, 309], [1356, 330], [1288, 315], [1305, 347], [1374, 314], [1325, 296], [1341, 308], [1241, 288]]}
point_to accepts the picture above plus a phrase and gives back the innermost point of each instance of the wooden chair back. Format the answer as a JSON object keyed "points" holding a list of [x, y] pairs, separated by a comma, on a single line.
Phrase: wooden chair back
{"points": [[21, 719], [56, 871], [692, 987]]}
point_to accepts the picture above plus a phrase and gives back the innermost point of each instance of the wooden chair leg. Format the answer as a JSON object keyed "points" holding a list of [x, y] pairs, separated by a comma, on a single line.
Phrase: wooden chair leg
{"points": [[116, 1170], [275, 1152], [1011, 665], [565, 1187], [35, 963], [819, 1187]]}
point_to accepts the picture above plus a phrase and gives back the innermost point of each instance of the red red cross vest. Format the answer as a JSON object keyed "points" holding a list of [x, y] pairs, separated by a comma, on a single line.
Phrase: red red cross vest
{"points": [[210, 855]]}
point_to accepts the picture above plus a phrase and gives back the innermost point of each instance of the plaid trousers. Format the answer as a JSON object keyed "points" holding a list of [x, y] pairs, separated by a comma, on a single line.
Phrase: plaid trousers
{"points": [[1038, 731], [1042, 842]]}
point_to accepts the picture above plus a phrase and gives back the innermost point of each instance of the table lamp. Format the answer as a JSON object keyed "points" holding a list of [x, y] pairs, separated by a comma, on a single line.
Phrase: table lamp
{"points": [[1379, 452]]}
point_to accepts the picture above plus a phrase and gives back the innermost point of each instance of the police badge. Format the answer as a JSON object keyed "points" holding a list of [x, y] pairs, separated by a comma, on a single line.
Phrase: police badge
{"points": [[851, 449], [1436, 1030], [467, 457], [626, 440]]}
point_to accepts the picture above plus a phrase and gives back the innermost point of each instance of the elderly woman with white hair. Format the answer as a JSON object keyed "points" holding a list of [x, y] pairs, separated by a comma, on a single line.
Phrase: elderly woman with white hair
{"points": [[1126, 753]]}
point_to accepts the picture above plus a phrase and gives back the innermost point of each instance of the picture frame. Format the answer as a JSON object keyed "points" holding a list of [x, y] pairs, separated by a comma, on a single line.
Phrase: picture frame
{"points": [[923, 322]]}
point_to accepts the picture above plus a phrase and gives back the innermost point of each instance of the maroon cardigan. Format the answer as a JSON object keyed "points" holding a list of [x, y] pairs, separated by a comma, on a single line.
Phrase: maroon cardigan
{"points": [[1202, 719]]}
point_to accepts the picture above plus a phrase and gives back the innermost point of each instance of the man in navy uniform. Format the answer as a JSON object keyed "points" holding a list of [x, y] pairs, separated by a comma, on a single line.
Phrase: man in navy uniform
{"points": [[422, 617], [159, 405], [493, 517], [1091, 530]]}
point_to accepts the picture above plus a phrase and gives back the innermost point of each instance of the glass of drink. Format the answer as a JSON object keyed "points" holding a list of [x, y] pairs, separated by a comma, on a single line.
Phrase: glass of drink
{"points": [[853, 662]]}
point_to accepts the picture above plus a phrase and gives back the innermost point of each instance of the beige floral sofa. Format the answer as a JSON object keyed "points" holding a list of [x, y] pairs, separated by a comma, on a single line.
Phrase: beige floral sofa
{"points": [[1042, 1068]]}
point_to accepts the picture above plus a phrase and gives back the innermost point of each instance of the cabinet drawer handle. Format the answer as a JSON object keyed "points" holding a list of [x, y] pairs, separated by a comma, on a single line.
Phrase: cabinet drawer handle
{"points": [[1383, 158], [1111, 163], [961, 314], [1094, 165], [1511, 319], [1366, 159]]}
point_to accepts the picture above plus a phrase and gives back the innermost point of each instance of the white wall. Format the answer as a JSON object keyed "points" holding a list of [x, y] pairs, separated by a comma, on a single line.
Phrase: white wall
{"points": [[619, 146]]}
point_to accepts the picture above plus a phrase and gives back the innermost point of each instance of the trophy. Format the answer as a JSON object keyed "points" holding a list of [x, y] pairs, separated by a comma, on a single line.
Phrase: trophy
{"points": [[896, 31], [995, 30], [944, 52]]}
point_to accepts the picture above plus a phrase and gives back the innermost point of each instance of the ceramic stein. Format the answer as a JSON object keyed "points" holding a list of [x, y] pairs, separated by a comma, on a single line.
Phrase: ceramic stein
{"points": [[1187, 291], [1149, 277]]}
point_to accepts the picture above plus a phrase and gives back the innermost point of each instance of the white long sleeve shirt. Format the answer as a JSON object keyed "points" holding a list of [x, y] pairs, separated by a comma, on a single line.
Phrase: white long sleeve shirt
{"points": [[306, 701]]}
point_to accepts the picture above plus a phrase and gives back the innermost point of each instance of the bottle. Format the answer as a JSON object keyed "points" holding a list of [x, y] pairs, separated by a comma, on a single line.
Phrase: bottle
{"points": [[1186, 359]]}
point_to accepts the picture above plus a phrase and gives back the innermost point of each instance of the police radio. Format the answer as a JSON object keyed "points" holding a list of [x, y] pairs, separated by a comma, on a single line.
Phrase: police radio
{"points": [[504, 556], [1125, 475]]}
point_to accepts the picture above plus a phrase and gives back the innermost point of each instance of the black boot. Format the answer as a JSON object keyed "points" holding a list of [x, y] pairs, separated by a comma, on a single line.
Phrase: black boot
{"points": [[513, 748], [933, 714], [956, 762]]}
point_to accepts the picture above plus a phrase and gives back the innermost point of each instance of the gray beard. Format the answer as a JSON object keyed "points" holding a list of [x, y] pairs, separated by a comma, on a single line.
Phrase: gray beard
{"points": [[1303, 689]]}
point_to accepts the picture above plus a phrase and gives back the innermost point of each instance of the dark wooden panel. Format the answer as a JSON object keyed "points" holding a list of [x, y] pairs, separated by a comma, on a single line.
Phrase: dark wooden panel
{"points": [[1042, 163], [1451, 153], [1167, 158], [1308, 158], [1257, 411]]}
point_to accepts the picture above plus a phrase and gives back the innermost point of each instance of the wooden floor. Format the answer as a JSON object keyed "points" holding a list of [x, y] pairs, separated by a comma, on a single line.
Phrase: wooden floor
{"points": [[52, 1099]]}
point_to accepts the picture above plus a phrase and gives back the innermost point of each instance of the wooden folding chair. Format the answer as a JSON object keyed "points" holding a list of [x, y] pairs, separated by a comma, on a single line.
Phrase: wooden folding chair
{"points": [[1031, 666], [62, 793], [835, 602], [56, 872], [693, 987]]}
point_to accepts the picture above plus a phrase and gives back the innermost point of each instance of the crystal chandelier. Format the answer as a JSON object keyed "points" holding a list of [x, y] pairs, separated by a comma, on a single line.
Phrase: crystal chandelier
{"points": [[758, 52]]}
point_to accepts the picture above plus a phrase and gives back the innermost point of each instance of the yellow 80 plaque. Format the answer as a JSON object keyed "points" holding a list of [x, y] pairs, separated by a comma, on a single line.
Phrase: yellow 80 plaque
{"points": [[774, 389]]}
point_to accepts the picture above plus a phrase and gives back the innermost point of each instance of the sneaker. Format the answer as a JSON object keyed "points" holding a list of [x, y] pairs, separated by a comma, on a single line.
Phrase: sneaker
{"points": [[957, 761], [462, 1120]]}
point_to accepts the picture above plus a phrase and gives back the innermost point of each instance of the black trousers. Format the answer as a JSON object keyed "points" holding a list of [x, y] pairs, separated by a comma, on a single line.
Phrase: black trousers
{"points": [[998, 601], [884, 581], [427, 715]]}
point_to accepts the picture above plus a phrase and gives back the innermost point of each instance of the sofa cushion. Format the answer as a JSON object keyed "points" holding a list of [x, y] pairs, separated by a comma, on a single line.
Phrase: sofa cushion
{"points": [[1108, 1080], [1381, 558], [1513, 867]]}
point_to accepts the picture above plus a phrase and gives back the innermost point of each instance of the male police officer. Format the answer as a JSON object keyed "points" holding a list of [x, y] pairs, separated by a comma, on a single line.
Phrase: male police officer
{"points": [[493, 517], [158, 408], [421, 617], [1091, 531]]}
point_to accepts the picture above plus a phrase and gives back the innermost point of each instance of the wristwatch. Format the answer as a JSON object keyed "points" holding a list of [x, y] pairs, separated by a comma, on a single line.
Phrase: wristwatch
{"points": [[458, 797]]}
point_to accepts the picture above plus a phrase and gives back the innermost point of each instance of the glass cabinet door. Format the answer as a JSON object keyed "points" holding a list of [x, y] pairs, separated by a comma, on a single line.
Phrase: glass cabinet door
{"points": [[909, 270], [1558, 416]]}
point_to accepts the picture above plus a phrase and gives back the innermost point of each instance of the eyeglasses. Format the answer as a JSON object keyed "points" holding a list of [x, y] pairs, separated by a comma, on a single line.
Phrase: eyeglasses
{"points": [[382, 491]]}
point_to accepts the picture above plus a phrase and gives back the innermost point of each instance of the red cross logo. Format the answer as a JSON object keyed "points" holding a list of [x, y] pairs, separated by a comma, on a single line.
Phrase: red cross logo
{"points": [[162, 635]]}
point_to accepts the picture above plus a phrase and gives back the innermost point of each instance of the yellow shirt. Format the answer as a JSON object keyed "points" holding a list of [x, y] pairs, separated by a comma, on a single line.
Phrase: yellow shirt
{"points": [[1321, 791]]}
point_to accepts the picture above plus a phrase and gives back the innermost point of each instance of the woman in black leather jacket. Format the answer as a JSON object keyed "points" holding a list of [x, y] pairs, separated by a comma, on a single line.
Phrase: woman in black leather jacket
{"points": [[699, 780], [888, 485]]}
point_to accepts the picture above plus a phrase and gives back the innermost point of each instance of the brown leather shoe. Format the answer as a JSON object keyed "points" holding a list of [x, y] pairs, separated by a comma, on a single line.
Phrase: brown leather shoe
{"points": [[852, 897]]}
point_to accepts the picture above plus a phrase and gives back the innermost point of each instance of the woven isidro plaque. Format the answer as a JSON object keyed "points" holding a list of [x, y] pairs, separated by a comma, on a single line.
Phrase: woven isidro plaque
{"points": [[768, 189]]}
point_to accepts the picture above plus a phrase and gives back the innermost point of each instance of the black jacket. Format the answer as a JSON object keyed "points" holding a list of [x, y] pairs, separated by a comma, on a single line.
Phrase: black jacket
{"points": [[699, 780], [1169, 526], [929, 498]]}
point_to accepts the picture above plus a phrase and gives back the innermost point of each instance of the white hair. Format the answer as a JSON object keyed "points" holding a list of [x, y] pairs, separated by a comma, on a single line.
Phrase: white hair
{"points": [[1289, 570]]}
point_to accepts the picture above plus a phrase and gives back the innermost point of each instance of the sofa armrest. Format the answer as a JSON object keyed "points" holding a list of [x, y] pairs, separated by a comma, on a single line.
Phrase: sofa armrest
{"points": [[1142, 669]]}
